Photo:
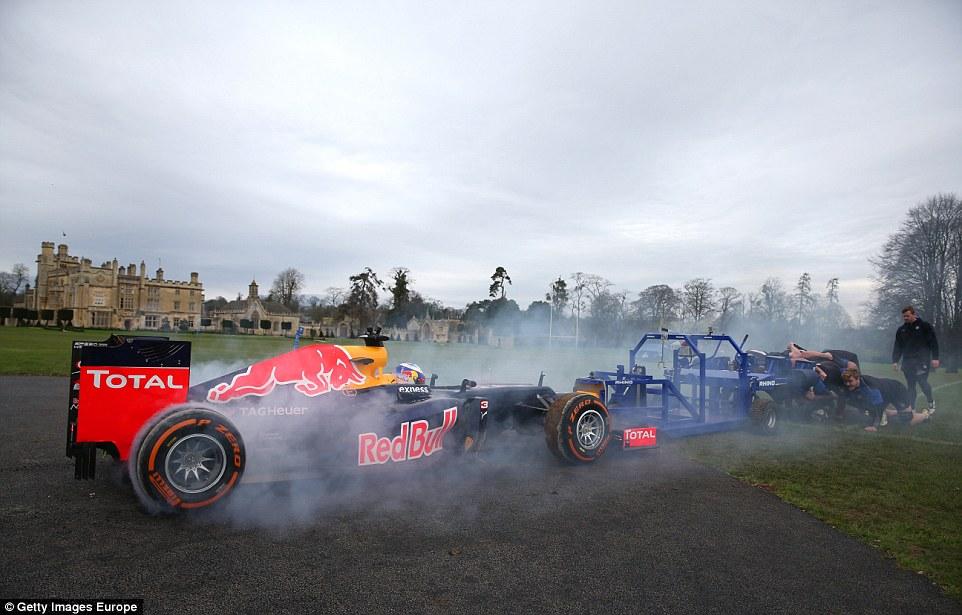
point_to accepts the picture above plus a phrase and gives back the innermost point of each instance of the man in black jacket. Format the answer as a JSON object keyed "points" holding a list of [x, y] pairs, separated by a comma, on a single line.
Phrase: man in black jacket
{"points": [[918, 348]]}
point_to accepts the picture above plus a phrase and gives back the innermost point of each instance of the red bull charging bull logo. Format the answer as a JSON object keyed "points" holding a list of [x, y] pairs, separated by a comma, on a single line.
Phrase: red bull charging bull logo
{"points": [[312, 370]]}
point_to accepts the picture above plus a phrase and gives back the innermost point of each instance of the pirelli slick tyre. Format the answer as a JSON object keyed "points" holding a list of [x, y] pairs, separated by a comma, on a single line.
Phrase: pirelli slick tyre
{"points": [[764, 415], [190, 458], [577, 428]]}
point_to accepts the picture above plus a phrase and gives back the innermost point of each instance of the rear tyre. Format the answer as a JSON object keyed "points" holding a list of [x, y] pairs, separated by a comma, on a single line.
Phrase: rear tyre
{"points": [[188, 459], [577, 428], [764, 415]]}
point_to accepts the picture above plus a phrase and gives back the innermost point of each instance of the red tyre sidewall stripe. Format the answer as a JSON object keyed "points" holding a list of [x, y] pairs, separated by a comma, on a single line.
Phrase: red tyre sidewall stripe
{"points": [[573, 419], [162, 439]]}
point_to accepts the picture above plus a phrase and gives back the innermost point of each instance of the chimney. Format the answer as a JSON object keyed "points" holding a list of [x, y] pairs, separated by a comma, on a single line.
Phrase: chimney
{"points": [[193, 278], [61, 250], [160, 274], [143, 269]]}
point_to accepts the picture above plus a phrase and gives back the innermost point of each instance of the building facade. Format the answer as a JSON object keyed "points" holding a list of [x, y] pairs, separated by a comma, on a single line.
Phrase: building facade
{"points": [[113, 296], [333, 327], [254, 310], [441, 331]]}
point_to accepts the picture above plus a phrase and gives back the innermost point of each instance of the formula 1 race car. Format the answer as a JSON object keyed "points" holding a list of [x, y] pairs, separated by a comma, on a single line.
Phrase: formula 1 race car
{"points": [[318, 408], [324, 408]]}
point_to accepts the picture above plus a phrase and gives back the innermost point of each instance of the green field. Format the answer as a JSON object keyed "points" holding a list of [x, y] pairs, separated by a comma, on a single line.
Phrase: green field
{"points": [[31, 350], [899, 490]]}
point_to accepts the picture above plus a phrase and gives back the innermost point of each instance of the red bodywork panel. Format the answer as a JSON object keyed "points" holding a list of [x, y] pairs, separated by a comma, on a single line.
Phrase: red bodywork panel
{"points": [[118, 401], [640, 437]]}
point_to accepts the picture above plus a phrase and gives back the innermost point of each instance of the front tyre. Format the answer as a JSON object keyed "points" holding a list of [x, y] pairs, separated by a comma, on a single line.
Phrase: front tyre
{"points": [[189, 459], [577, 428]]}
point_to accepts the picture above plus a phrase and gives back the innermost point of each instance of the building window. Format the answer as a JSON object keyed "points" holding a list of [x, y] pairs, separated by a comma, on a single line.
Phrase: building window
{"points": [[101, 319], [176, 291], [190, 323], [99, 300], [176, 306], [193, 306], [126, 297], [176, 322], [153, 298], [150, 321]]}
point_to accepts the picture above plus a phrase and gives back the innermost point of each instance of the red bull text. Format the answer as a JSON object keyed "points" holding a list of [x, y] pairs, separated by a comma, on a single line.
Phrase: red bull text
{"points": [[416, 440]]}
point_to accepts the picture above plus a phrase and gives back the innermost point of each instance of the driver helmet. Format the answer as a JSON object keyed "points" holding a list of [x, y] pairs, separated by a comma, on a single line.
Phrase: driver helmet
{"points": [[409, 373]]}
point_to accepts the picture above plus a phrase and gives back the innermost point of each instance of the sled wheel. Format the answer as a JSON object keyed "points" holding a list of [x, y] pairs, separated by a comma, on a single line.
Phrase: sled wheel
{"points": [[577, 428], [764, 415], [189, 459]]}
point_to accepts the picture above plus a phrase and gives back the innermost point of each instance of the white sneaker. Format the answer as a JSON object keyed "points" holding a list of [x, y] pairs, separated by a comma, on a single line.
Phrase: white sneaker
{"points": [[932, 408], [885, 419]]}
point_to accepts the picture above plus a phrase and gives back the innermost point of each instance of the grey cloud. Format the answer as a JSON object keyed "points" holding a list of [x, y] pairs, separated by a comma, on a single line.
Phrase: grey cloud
{"points": [[645, 142]]}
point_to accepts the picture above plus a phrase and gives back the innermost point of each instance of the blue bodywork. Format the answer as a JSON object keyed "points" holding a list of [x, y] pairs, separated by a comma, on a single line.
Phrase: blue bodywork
{"points": [[708, 386]]}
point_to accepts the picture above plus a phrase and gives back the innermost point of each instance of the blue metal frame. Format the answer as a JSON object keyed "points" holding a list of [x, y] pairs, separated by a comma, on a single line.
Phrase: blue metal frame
{"points": [[720, 399]]}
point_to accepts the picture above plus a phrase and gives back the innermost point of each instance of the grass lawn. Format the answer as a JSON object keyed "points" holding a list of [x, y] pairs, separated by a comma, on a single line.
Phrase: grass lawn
{"points": [[36, 351], [32, 350], [899, 490]]}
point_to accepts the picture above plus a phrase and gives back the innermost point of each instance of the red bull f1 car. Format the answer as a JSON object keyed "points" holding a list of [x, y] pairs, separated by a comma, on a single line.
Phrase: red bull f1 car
{"points": [[324, 407]]}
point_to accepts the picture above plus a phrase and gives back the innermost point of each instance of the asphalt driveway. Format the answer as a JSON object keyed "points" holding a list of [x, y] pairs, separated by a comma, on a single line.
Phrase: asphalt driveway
{"points": [[507, 532]]}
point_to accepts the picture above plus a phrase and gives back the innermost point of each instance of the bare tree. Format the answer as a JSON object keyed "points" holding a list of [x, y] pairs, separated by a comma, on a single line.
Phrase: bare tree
{"points": [[577, 295], [595, 285], [729, 305], [920, 264], [333, 296], [771, 300], [698, 298], [607, 317], [12, 282], [657, 306], [286, 286]]}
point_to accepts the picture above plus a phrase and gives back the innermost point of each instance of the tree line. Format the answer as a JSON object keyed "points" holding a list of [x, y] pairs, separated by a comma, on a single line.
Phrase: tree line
{"points": [[920, 264]]}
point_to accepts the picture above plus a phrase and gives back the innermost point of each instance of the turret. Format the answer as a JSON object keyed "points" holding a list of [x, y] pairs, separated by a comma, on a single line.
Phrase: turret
{"points": [[46, 252]]}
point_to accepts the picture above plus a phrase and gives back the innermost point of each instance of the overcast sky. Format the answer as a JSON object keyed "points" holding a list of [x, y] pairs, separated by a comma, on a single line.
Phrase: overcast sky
{"points": [[644, 142]]}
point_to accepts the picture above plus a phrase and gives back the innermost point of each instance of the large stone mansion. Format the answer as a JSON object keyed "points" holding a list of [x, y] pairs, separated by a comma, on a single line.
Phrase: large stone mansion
{"points": [[111, 295]]}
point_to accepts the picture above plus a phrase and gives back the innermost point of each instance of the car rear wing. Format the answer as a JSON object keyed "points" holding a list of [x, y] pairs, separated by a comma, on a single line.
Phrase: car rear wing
{"points": [[115, 387]]}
